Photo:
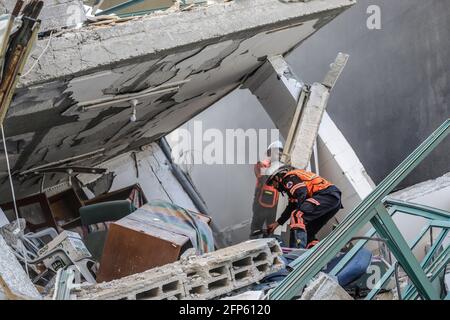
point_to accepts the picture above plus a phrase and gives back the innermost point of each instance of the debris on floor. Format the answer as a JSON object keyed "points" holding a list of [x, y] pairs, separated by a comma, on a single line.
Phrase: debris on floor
{"points": [[325, 287], [199, 277]]}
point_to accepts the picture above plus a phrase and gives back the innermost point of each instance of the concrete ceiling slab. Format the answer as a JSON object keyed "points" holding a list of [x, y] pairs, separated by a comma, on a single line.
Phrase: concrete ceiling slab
{"points": [[209, 51]]}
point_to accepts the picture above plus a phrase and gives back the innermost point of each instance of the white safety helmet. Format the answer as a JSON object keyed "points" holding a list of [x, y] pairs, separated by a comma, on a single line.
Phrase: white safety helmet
{"points": [[275, 145], [275, 150], [276, 172]]}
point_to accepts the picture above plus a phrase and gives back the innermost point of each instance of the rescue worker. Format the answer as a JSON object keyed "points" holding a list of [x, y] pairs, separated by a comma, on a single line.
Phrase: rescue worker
{"points": [[313, 201], [265, 201]]}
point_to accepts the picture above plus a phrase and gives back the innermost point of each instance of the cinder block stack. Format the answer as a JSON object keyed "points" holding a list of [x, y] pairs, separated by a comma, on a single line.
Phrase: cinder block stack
{"points": [[197, 277]]}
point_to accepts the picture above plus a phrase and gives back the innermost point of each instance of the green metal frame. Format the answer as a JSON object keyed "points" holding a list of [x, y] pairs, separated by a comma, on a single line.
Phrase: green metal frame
{"points": [[445, 225], [395, 206], [127, 4], [432, 271], [374, 211], [119, 7]]}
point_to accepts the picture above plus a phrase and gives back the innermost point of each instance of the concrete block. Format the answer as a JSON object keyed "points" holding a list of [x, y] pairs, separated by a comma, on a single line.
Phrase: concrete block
{"points": [[196, 277], [204, 282], [155, 284], [325, 287]]}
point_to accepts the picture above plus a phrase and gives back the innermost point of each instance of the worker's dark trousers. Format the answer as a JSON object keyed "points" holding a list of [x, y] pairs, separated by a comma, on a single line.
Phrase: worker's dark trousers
{"points": [[261, 216], [316, 215]]}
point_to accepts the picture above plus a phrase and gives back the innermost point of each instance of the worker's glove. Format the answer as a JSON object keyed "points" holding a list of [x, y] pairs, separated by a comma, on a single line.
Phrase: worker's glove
{"points": [[271, 227]]}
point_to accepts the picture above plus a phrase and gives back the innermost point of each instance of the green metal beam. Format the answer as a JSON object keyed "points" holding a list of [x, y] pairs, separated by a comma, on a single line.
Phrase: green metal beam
{"points": [[396, 206], [433, 271], [119, 7], [307, 268], [386, 228], [388, 274], [416, 209], [127, 4], [140, 12]]}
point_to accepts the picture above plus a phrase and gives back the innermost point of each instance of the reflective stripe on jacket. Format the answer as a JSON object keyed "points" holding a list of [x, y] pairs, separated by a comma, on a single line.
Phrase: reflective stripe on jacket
{"points": [[313, 182]]}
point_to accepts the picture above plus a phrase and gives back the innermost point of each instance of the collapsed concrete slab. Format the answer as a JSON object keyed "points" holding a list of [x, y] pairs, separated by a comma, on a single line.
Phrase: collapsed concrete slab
{"points": [[14, 282], [77, 98], [196, 277]]}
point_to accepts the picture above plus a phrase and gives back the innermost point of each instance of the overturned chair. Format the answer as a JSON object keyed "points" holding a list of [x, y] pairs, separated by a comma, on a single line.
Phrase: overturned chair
{"points": [[45, 252], [95, 221]]}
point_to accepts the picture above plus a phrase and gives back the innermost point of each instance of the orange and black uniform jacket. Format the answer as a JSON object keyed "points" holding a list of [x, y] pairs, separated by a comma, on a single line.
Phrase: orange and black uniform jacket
{"points": [[265, 195], [300, 185]]}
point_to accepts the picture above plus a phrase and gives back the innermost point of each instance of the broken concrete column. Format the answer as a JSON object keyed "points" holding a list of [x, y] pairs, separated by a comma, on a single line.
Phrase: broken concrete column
{"points": [[199, 277], [14, 282], [56, 14], [325, 287], [308, 127]]}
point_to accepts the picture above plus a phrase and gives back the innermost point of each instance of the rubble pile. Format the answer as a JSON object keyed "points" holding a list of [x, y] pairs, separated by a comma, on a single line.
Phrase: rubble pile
{"points": [[195, 277]]}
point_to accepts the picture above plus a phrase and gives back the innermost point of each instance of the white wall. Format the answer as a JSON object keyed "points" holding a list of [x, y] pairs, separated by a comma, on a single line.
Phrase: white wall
{"points": [[340, 164], [155, 177]]}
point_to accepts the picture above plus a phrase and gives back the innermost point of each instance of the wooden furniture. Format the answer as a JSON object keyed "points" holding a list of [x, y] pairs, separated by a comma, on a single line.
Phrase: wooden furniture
{"points": [[65, 208], [134, 244], [134, 193], [61, 211], [98, 213], [36, 211]]}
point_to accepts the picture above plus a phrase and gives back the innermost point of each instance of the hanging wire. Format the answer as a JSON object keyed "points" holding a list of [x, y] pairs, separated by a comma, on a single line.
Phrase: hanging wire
{"points": [[40, 56], [16, 211]]}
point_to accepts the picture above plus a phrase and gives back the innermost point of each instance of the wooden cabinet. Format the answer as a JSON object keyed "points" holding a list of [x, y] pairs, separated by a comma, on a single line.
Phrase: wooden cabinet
{"points": [[135, 244], [35, 210]]}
